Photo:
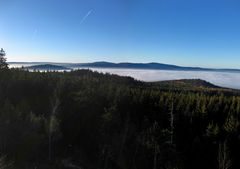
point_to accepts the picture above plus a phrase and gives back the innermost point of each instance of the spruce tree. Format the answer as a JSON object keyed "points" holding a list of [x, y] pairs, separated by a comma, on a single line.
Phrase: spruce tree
{"points": [[3, 63]]}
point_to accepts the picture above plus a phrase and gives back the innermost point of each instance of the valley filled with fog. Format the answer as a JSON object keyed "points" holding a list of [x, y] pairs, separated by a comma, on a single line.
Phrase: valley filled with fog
{"points": [[223, 79]]}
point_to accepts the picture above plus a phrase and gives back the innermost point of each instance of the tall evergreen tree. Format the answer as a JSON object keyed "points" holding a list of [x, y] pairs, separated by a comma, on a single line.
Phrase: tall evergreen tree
{"points": [[3, 60]]}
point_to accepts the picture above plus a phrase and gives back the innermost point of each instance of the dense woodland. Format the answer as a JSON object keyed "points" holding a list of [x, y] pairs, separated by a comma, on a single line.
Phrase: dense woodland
{"points": [[88, 120]]}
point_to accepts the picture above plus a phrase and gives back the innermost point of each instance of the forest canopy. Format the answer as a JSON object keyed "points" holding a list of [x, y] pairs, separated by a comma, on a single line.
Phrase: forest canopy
{"points": [[85, 119]]}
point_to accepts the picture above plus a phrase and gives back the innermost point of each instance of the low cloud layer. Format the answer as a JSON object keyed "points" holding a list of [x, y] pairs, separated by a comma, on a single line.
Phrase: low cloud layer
{"points": [[224, 79]]}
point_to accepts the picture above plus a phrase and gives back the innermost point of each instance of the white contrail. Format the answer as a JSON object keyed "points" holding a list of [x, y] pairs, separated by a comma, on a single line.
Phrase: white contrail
{"points": [[86, 16]]}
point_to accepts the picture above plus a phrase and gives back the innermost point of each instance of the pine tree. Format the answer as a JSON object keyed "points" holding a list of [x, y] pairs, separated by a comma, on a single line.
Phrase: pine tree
{"points": [[3, 63]]}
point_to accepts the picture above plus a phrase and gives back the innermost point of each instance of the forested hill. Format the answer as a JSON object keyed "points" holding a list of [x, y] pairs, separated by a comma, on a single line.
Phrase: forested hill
{"points": [[192, 85], [188, 83], [89, 120], [125, 65], [47, 67]]}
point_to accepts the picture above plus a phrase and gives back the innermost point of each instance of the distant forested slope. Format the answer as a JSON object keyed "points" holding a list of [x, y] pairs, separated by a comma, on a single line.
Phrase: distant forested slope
{"points": [[46, 67], [84, 119]]}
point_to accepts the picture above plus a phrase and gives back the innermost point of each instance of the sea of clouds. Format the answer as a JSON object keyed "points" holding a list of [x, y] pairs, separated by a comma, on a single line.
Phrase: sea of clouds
{"points": [[224, 79]]}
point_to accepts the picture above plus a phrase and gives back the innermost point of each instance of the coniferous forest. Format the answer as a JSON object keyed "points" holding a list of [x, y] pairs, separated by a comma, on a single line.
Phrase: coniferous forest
{"points": [[88, 120], [119, 84]]}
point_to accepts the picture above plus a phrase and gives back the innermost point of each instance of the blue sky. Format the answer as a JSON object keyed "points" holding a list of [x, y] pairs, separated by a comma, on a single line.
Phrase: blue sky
{"points": [[183, 32]]}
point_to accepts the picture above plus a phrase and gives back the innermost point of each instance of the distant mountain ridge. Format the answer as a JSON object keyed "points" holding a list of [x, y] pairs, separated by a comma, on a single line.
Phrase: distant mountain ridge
{"points": [[128, 65], [152, 65], [46, 67]]}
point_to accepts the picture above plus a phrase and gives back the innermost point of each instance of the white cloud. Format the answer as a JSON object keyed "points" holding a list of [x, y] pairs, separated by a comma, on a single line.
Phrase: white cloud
{"points": [[224, 79]]}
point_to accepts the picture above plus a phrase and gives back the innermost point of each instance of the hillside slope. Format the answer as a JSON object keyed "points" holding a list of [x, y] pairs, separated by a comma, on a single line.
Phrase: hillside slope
{"points": [[191, 85], [49, 67]]}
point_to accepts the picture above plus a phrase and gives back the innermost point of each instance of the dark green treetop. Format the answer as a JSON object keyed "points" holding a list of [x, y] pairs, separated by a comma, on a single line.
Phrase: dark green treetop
{"points": [[3, 63]]}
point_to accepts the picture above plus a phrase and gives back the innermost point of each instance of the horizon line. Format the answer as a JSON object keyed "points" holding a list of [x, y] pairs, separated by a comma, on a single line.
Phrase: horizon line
{"points": [[201, 67]]}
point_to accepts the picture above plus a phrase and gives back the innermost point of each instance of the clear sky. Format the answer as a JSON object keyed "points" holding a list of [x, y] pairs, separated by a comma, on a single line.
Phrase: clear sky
{"points": [[183, 32]]}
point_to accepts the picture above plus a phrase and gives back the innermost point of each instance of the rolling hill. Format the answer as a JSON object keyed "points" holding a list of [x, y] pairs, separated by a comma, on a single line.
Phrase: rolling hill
{"points": [[197, 85], [125, 65], [48, 67]]}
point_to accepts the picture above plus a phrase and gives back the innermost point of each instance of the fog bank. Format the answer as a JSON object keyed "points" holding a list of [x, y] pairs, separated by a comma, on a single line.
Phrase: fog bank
{"points": [[224, 79]]}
